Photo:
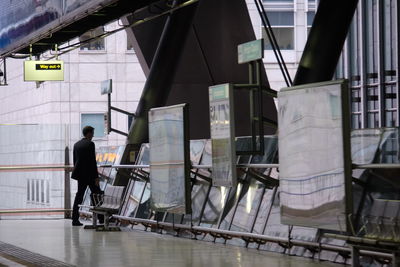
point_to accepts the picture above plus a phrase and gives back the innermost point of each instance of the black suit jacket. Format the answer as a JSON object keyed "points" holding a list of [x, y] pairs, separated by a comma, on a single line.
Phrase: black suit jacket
{"points": [[85, 165]]}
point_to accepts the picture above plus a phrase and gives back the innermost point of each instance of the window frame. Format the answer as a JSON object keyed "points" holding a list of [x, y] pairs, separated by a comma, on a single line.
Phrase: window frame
{"points": [[104, 137]]}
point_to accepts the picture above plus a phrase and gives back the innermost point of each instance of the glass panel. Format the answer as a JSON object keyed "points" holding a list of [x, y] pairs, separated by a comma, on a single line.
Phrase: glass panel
{"points": [[389, 147], [310, 17], [47, 192], [42, 191], [32, 145], [364, 145], [229, 208], [94, 120], [274, 226], [32, 190], [284, 37], [134, 197], [247, 208], [139, 191], [305, 234], [144, 205], [214, 206], [200, 189], [28, 190], [282, 18], [199, 195], [37, 190], [375, 145], [114, 158]]}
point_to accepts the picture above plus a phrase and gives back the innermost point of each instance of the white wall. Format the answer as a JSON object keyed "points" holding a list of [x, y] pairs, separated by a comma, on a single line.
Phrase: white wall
{"points": [[64, 102]]}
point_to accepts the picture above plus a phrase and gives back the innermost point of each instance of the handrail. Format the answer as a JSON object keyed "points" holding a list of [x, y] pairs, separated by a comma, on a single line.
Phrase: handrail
{"points": [[241, 166], [17, 211], [252, 236], [34, 167]]}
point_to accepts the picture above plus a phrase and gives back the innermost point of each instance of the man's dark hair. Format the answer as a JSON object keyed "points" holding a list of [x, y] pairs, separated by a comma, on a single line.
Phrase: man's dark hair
{"points": [[87, 129]]}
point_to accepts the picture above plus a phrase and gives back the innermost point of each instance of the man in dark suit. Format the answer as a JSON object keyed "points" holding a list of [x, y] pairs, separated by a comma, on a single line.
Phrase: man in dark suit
{"points": [[85, 171]]}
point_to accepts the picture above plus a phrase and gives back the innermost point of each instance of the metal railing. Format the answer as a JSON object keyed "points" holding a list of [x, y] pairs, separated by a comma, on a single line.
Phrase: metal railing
{"points": [[248, 237], [125, 166]]}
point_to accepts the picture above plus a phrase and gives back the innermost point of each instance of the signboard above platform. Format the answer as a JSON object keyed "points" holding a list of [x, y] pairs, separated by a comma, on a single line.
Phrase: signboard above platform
{"points": [[251, 51], [35, 70]]}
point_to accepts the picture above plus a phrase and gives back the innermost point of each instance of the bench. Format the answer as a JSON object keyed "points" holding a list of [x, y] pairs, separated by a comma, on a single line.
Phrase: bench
{"points": [[105, 204], [382, 232]]}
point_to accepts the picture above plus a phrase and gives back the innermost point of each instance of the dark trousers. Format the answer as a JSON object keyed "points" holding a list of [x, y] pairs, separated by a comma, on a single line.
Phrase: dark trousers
{"points": [[82, 185]]}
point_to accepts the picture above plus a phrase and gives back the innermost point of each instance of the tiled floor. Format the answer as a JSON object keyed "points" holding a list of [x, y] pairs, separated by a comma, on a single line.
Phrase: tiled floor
{"points": [[57, 239]]}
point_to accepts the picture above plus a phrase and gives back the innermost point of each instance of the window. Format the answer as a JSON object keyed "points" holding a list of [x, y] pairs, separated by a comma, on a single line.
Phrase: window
{"points": [[42, 191], [282, 23], [94, 120], [32, 191], [38, 191], [310, 19], [28, 190], [47, 192], [96, 44]]}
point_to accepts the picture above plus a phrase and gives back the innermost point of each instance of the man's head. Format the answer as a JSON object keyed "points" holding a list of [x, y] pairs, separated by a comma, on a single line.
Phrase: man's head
{"points": [[88, 132]]}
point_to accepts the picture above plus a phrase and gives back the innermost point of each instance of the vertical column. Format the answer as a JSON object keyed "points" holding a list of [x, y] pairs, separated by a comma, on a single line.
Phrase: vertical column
{"points": [[381, 63], [325, 41], [397, 32], [67, 187], [355, 256], [363, 63]]}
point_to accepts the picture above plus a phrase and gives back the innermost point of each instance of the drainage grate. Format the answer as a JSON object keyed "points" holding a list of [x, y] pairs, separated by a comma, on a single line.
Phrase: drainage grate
{"points": [[29, 258]]}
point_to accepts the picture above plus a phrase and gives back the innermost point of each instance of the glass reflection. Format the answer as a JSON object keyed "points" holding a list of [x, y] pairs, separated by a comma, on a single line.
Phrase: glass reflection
{"points": [[199, 195], [274, 226], [214, 206], [199, 190], [364, 144]]}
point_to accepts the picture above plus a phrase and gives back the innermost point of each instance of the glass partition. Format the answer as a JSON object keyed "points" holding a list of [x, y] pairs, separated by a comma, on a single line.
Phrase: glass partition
{"points": [[31, 147]]}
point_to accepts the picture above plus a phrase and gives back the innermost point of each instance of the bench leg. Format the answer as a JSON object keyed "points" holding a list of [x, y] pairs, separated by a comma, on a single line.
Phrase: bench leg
{"points": [[94, 223], [355, 256], [94, 219], [396, 259], [106, 222]]}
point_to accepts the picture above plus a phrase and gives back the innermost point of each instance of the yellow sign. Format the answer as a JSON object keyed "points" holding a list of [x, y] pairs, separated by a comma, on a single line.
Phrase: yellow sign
{"points": [[35, 70]]}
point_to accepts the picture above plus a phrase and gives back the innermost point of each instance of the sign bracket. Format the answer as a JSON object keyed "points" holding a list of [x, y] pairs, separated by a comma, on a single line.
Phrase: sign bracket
{"points": [[108, 116], [252, 53]]}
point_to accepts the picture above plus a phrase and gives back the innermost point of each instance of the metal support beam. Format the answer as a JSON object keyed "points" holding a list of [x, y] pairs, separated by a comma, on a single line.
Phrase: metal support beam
{"points": [[166, 59], [325, 41], [67, 187]]}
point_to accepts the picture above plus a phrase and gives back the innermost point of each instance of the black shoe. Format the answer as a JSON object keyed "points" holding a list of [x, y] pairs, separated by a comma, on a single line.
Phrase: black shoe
{"points": [[78, 223]]}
